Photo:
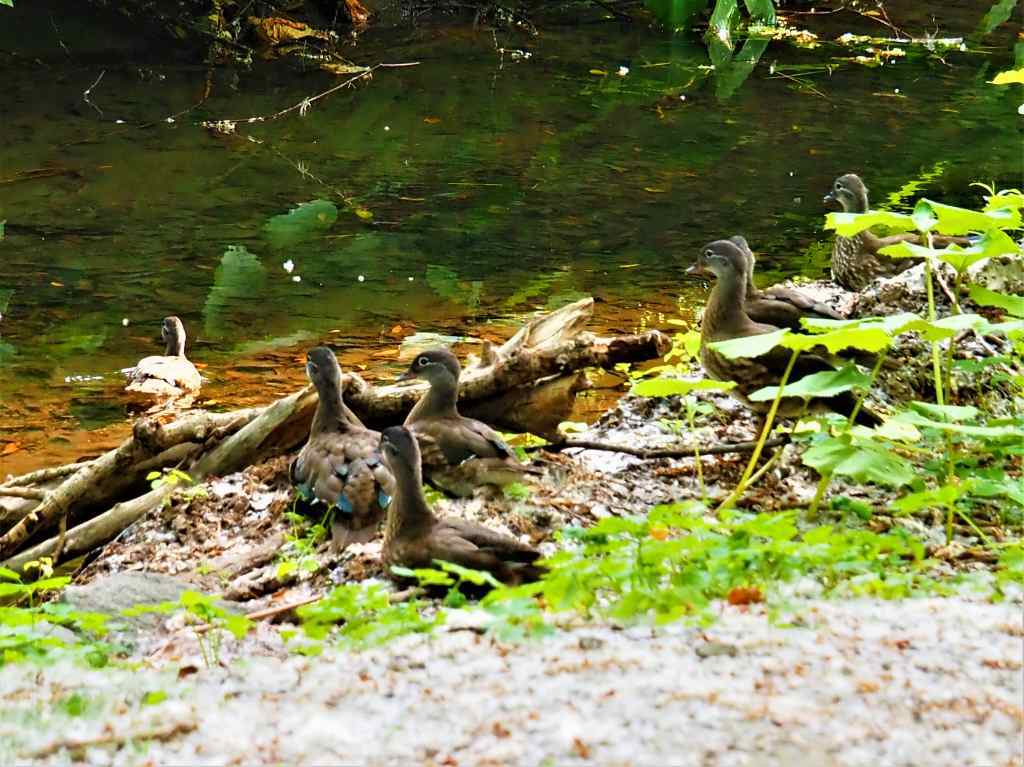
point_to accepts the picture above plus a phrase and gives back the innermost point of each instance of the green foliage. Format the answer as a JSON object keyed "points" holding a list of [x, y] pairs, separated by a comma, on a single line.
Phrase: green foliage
{"points": [[362, 616], [676, 560], [209, 617], [680, 14]]}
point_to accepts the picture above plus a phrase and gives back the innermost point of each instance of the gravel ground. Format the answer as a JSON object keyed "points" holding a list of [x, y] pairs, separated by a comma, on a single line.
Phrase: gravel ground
{"points": [[931, 682]]}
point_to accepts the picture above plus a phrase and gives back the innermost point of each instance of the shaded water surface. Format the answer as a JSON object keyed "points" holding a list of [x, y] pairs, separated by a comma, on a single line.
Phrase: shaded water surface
{"points": [[498, 176]]}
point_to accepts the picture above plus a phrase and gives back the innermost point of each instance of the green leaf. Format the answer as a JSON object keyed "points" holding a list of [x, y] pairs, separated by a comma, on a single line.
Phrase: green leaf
{"points": [[949, 219], [930, 499], [667, 387], [304, 221], [476, 577], [675, 14], [750, 346], [153, 697], [8, 3], [994, 243], [9, 575], [861, 460], [849, 224], [870, 338], [762, 10], [1012, 304], [827, 383], [948, 413]]}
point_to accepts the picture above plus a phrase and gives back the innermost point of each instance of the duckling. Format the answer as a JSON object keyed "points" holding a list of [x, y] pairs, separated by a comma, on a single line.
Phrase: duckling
{"points": [[725, 319], [856, 261], [414, 537], [340, 465], [170, 375], [459, 453], [777, 305]]}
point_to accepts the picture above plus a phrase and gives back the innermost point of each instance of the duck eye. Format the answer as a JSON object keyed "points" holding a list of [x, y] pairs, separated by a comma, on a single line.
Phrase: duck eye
{"points": [[709, 254], [422, 362], [839, 187]]}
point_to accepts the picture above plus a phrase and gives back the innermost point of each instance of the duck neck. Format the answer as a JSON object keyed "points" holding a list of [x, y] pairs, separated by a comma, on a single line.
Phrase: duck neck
{"points": [[725, 305], [409, 512], [332, 414], [439, 399], [175, 347], [860, 202]]}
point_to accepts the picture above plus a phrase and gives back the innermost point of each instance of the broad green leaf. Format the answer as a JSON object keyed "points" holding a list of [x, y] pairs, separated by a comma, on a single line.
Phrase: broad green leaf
{"points": [[1009, 77], [306, 220], [949, 219], [950, 413], [994, 243], [906, 250], [985, 297], [848, 224], [477, 577], [8, 3], [750, 346], [9, 575], [676, 14], [861, 460], [667, 387], [1007, 198], [827, 383], [867, 337], [981, 432], [761, 10], [929, 499]]}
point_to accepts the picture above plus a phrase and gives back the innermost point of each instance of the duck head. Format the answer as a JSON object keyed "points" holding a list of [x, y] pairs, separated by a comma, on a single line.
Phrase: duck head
{"points": [[721, 259], [400, 452], [849, 192], [322, 369], [173, 334], [435, 366]]}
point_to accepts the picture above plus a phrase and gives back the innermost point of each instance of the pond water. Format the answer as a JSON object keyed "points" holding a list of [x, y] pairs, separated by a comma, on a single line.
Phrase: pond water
{"points": [[501, 174]]}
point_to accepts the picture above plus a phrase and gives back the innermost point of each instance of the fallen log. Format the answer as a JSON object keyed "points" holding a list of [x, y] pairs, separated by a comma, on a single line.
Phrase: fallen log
{"points": [[536, 369]]}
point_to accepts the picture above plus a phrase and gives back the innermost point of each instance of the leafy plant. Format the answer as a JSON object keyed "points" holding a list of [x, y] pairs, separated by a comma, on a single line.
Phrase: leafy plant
{"points": [[208, 617], [363, 616]]}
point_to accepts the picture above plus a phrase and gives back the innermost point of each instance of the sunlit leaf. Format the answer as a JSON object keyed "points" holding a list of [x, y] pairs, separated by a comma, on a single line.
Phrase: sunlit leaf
{"points": [[750, 346], [929, 499], [985, 297], [667, 387], [949, 219], [1009, 77], [848, 224], [762, 10], [827, 383], [870, 338], [950, 413]]}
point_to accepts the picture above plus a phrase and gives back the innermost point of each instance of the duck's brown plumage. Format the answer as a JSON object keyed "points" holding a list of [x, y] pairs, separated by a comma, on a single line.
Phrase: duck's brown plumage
{"points": [[856, 261], [778, 305], [458, 453], [167, 375], [414, 537], [340, 467], [724, 319]]}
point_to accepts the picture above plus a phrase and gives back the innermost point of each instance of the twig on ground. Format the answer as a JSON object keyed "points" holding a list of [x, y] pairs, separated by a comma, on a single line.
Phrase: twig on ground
{"points": [[23, 492], [639, 452], [157, 732], [43, 475]]}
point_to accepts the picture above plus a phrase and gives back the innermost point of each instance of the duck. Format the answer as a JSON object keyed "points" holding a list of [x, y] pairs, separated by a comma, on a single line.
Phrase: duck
{"points": [[414, 537], [170, 374], [725, 319], [856, 261], [339, 469], [780, 306], [459, 453]]}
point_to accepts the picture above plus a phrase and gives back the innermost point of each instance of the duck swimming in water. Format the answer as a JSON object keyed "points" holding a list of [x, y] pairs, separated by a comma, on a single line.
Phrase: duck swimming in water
{"points": [[169, 374]]}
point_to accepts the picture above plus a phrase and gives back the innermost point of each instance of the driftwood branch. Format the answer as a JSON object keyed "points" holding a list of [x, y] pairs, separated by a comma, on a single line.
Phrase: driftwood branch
{"points": [[44, 475], [675, 452]]}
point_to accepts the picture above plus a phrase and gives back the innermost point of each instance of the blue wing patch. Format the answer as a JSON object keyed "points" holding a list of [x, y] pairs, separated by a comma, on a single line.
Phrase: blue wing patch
{"points": [[383, 499], [344, 504]]}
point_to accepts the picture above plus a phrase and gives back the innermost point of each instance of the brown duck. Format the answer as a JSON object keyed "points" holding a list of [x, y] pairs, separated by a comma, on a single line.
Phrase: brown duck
{"points": [[856, 261], [778, 305], [170, 375], [459, 453], [725, 319], [414, 537], [340, 467]]}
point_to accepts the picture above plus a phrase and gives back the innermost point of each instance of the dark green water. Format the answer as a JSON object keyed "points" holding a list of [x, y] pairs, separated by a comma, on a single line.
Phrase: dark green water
{"points": [[468, 190]]}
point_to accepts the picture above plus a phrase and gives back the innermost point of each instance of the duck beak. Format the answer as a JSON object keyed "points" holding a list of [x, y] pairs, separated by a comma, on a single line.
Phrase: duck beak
{"points": [[408, 375], [696, 270], [829, 198]]}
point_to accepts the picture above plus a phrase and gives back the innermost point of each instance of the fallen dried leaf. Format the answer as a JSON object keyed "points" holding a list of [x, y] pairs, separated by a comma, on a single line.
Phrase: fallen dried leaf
{"points": [[431, 120], [10, 447], [745, 595], [581, 749]]}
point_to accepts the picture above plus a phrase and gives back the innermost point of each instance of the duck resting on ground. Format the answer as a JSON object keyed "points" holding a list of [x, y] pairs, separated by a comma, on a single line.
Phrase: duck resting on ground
{"points": [[340, 467], [856, 262], [459, 453], [724, 319], [414, 537], [778, 305], [169, 375]]}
